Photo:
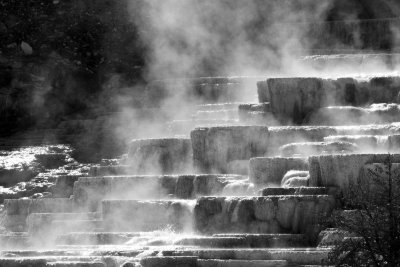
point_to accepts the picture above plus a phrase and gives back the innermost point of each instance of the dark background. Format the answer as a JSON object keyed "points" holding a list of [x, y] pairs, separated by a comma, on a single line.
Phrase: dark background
{"points": [[78, 47]]}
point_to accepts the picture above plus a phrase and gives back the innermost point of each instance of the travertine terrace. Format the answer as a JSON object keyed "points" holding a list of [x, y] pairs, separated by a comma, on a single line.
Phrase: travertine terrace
{"points": [[237, 184]]}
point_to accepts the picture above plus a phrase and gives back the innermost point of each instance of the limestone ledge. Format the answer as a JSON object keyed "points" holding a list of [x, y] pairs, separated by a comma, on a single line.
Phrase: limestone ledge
{"points": [[272, 214], [215, 147]]}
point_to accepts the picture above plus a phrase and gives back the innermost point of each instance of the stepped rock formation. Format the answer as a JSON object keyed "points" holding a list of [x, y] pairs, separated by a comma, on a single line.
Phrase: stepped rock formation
{"points": [[221, 195], [225, 182]]}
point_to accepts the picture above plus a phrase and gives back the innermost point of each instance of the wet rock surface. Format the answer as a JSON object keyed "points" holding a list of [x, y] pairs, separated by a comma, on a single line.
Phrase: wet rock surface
{"points": [[293, 99], [365, 143], [273, 214], [316, 148], [271, 170], [221, 197], [89, 191], [342, 170], [213, 149], [295, 179], [349, 115]]}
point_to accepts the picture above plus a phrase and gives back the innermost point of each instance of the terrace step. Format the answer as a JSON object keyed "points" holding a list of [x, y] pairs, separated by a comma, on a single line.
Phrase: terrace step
{"points": [[38, 219], [245, 240], [340, 59], [160, 156], [271, 170], [44, 227], [272, 214], [62, 226], [373, 114], [97, 238], [257, 114], [49, 260], [89, 191], [168, 261], [366, 143], [218, 106], [215, 147], [64, 186], [184, 127], [293, 99], [274, 191], [301, 256], [194, 262], [14, 241], [97, 171], [222, 114], [27, 206], [342, 170], [17, 210], [149, 215], [76, 264], [305, 149], [241, 263]]}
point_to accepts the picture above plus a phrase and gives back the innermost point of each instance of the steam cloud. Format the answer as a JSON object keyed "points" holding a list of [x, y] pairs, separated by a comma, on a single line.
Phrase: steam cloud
{"points": [[225, 38]]}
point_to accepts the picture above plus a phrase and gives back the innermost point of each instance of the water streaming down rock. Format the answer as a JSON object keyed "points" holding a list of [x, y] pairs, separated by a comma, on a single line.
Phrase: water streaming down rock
{"points": [[249, 192]]}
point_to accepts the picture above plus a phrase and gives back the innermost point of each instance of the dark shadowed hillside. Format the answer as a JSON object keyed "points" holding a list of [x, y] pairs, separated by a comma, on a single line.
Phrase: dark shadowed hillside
{"points": [[63, 60]]}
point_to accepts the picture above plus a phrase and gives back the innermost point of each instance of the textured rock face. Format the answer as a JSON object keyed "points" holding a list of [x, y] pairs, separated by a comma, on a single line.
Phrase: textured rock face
{"points": [[291, 134], [169, 261], [160, 156], [275, 191], [271, 170], [349, 115], [136, 215], [64, 185], [293, 99], [382, 89], [293, 214], [394, 143], [27, 206], [214, 147], [365, 143], [316, 148], [263, 92], [341, 170], [19, 209], [371, 129]]}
